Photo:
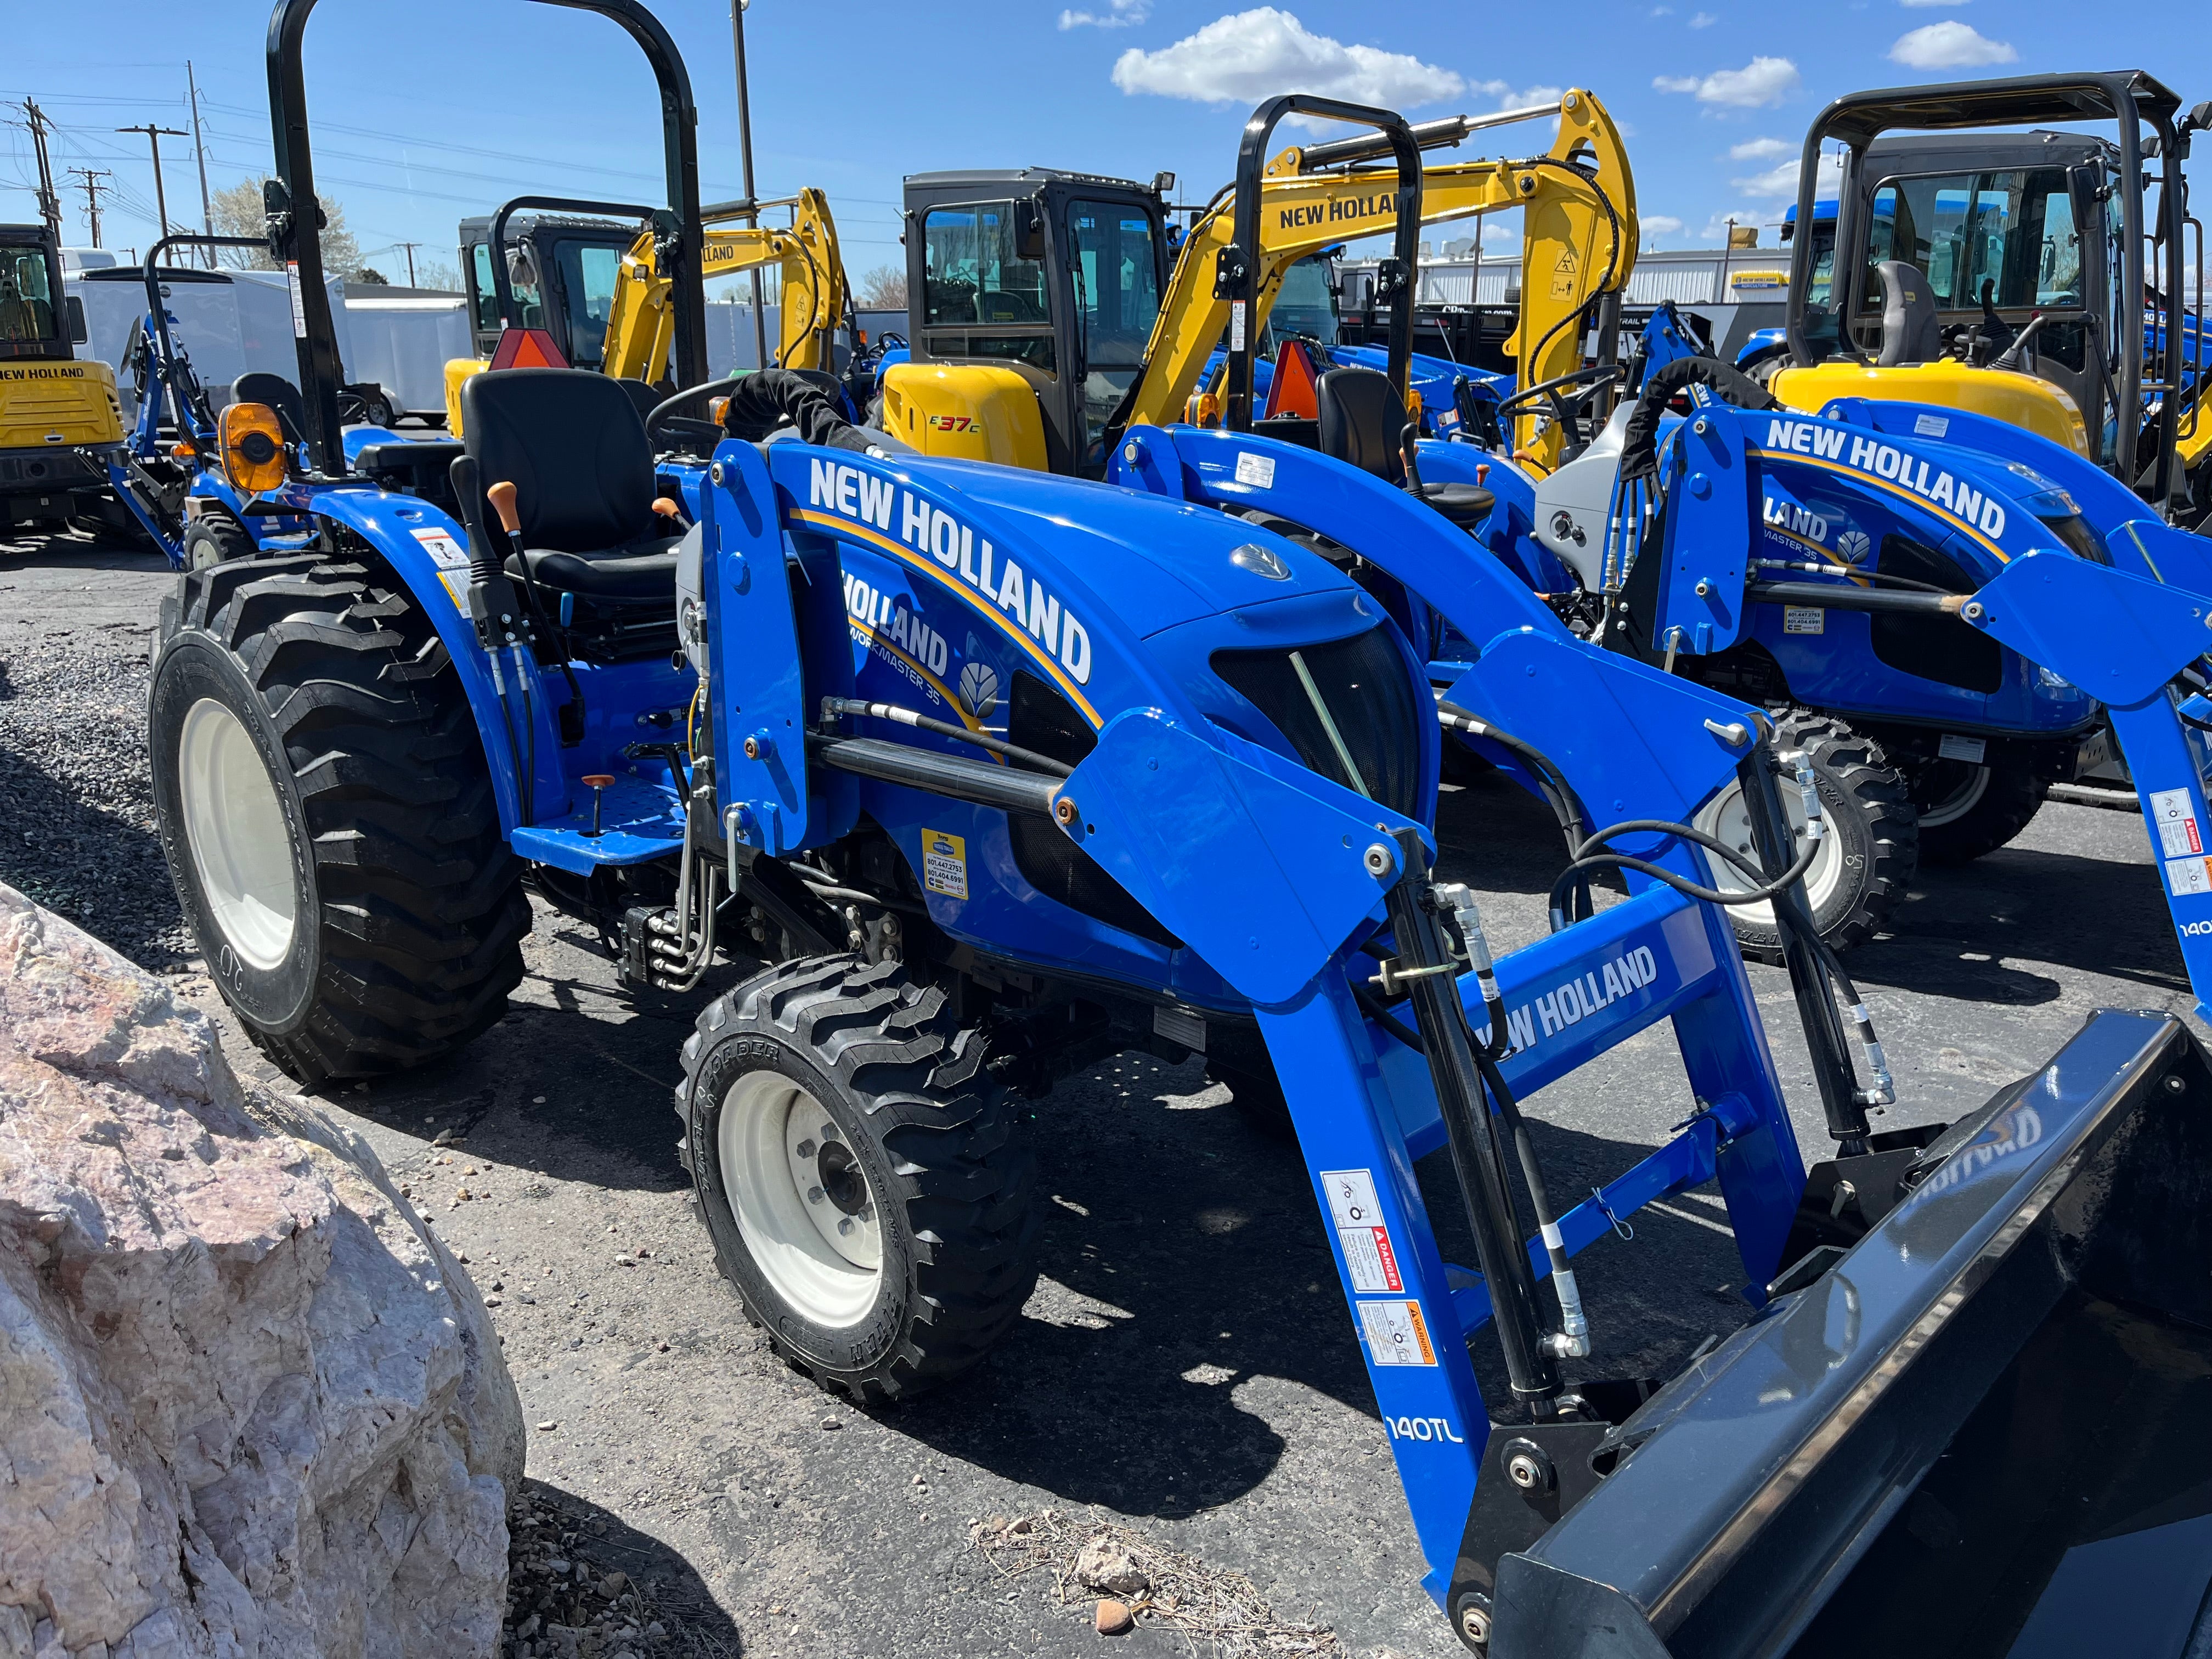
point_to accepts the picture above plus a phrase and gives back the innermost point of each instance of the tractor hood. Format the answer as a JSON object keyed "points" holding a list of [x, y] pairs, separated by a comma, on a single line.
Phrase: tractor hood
{"points": [[1156, 564]]}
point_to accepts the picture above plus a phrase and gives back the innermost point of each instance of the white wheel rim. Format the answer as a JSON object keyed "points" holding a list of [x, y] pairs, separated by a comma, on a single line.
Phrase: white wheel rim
{"points": [[800, 1198], [1960, 801], [235, 827], [1727, 820]]}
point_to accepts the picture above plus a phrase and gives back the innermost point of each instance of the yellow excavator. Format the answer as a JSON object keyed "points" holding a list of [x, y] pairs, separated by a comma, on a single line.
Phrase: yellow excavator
{"points": [[1045, 317], [586, 292], [61, 425]]}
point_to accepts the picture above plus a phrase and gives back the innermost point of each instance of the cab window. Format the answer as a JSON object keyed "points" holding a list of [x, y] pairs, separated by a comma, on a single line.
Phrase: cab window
{"points": [[972, 273], [2011, 228], [522, 277], [30, 321], [1304, 307], [1114, 263], [588, 292]]}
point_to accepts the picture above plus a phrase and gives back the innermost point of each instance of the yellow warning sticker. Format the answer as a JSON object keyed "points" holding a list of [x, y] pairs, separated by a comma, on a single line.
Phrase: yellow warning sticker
{"points": [[456, 583], [945, 864]]}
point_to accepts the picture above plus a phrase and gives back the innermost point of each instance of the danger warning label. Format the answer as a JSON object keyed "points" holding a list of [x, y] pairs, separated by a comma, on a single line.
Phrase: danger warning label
{"points": [[1367, 1256], [1396, 1333], [2178, 834]]}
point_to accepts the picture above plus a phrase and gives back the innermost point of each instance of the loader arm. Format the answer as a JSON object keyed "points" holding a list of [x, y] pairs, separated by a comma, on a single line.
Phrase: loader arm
{"points": [[641, 321], [1579, 229]]}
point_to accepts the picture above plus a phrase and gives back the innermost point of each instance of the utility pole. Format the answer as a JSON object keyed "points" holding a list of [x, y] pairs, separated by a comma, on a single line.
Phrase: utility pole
{"points": [[409, 247], [92, 187], [199, 146], [153, 137], [50, 204], [746, 156]]}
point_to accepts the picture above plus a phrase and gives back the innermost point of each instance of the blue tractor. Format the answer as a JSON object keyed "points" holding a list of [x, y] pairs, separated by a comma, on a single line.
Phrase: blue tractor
{"points": [[979, 774]]}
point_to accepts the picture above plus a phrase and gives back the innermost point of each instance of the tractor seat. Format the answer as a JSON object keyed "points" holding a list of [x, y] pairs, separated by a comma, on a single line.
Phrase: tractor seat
{"points": [[574, 446], [1909, 330], [1361, 419]]}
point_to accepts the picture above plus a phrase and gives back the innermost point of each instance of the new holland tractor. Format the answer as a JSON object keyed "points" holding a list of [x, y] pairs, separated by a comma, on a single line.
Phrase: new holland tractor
{"points": [[976, 775]]}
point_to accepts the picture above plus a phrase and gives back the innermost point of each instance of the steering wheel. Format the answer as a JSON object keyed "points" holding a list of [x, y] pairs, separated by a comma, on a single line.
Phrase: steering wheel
{"points": [[690, 428], [1568, 411]]}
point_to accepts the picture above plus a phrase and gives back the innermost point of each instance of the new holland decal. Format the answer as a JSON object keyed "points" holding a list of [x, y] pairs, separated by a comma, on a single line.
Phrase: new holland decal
{"points": [[1024, 605], [1929, 480]]}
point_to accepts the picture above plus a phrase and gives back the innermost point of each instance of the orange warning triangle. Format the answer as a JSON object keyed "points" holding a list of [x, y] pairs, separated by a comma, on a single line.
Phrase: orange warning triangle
{"points": [[1293, 390], [527, 348]]}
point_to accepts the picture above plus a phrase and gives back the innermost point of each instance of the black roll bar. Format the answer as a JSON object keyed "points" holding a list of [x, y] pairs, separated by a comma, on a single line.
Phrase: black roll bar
{"points": [[1236, 267], [160, 312], [295, 230], [2128, 97]]}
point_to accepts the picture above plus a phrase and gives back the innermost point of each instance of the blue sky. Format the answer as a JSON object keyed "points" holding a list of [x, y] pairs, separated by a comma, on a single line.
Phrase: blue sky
{"points": [[428, 110]]}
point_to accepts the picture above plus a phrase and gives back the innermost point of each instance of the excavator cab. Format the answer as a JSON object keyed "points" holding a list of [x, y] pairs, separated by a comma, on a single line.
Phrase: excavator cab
{"points": [[1994, 256], [1032, 296], [59, 419], [561, 271]]}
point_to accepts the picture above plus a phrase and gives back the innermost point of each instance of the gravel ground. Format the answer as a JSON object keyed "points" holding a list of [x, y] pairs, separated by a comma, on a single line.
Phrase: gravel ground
{"points": [[1185, 1370]]}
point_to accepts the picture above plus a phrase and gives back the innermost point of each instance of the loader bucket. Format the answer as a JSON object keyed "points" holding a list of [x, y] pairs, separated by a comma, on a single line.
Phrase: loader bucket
{"points": [[1985, 1430]]}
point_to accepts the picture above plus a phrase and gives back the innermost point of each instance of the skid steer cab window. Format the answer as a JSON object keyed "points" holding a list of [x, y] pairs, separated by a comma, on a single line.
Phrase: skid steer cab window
{"points": [[529, 306], [587, 276], [30, 319], [979, 297], [2014, 227], [1114, 262]]}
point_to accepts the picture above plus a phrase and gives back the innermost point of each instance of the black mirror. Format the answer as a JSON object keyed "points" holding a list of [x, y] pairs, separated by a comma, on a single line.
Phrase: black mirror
{"points": [[74, 304], [1029, 229]]}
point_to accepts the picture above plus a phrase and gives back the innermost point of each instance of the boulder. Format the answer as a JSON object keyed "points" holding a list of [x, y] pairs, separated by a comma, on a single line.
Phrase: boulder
{"points": [[249, 1405]]}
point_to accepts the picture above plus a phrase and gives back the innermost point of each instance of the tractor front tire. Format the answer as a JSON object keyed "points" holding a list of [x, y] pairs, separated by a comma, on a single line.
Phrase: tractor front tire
{"points": [[326, 810], [859, 1174], [1966, 809], [1871, 850], [214, 540]]}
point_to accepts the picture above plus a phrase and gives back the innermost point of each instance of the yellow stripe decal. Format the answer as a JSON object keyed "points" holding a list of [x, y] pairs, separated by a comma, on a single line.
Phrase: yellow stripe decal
{"points": [[1013, 631], [1791, 455]]}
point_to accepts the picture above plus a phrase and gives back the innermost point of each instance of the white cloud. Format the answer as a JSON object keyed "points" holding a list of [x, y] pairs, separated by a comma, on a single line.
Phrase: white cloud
{"points": [[1126, 13], [1717, 227], [1250, 55], [1761, 82], [1703, 20], [1524, 98], [1501, 236], [1761, 149], [1662, 11], [1931, 3], [1949, 46], [1659, 224], [1781, 179]]}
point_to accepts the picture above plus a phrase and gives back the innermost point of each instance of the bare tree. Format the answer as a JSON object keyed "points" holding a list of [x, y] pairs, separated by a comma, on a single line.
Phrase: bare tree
{"points": [[237, 211], [883, 289]]}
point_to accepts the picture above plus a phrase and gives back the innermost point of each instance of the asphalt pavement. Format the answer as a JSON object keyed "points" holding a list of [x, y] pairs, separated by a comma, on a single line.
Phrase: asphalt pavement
{"points": [[1187, 1366]]}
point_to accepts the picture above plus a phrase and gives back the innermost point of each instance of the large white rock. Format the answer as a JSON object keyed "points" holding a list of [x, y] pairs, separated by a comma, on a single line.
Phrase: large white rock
{"points": [[249, 1406]]}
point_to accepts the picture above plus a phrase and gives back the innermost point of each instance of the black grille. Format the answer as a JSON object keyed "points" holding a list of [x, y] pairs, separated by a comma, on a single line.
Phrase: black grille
{"points": [[1372, 700], [1939, 649], [1039, 718], [2081, 539]]}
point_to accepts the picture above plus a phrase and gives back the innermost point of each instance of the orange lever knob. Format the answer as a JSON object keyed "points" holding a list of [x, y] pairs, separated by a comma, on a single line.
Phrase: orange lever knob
{"points": [[501, 497]]}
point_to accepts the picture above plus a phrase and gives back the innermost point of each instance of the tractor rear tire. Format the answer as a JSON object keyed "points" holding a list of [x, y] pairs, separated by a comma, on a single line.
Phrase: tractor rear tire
{"points": [[859, 1174], [1966, 811], [326, 810], [1872, 848]]}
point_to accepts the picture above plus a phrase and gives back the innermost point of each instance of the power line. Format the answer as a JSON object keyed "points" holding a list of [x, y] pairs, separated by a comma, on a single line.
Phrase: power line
{"points": [[153, 137], [50, 204], [92, 188]]}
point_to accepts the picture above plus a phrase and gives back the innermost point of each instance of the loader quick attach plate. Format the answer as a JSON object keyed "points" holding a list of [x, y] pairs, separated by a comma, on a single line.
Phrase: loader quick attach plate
{"points": [[1982, 1435]]}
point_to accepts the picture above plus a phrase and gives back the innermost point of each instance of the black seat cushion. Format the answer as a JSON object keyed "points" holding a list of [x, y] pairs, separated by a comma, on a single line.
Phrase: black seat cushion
{"points": [[1465, 504], [1911, 332], [574, 446], [644, 570], [279, 394], [1361, 416]]}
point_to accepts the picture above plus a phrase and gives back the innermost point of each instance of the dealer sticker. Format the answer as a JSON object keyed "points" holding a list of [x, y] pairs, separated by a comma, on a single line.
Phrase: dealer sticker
{"points": [[1396, 1333], [1952, 746], [945, 864], [444, 550], [1804, 619], [1930, 426], [2178, 834], [1368, 1257], [1256, 471], [2188, 876]]}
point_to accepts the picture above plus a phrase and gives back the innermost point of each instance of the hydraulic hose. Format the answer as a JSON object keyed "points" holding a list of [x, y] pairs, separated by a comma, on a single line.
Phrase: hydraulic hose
{"points": [[1551, 785], [1586, 860], [921, 722]]}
